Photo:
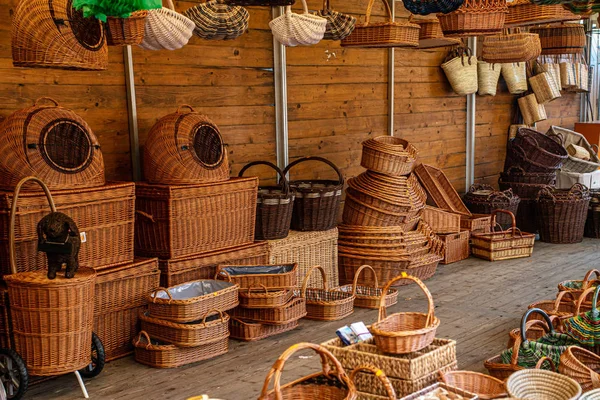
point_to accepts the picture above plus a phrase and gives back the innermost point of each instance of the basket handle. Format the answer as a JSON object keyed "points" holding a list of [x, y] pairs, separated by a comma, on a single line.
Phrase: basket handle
{"points": [[357, 274], [258, 287], [545, 191], [326, 6], [588, 276], [405, 276], [315, 158], [13, 216], [157, 291], [538, 322], [557, 137], [208, 314], [283, 181], [526, 317], [380, 375], [559, 299], [584, 296], [370, 9], [517, 168], [138, 339], [543, 360], [307, 277], [239, 321], [221, 273], [179, 109], [499, 196], [288, 9], [595, 147], [169, 5], [578, 189], [327, 360], [479, 186], [512, 218], [145, 215], [50, 99]]}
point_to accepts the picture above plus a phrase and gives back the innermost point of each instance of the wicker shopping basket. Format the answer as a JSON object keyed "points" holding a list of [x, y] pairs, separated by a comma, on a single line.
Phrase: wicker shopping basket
{"points": [[503, 245], [369, 296], [483, 199], [325, 304]]}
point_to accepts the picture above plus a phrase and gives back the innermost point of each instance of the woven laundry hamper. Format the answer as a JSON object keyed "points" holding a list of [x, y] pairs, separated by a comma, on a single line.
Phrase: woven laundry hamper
{"points": [[185, 147], [51, 34], [51, 143]]}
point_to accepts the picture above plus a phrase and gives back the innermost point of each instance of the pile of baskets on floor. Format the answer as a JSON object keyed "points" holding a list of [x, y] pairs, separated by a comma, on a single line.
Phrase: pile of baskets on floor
{"points": [[381, 217]]}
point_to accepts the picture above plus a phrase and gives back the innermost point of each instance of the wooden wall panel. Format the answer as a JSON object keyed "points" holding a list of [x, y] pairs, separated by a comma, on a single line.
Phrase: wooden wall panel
{"points": [[99, 97]]}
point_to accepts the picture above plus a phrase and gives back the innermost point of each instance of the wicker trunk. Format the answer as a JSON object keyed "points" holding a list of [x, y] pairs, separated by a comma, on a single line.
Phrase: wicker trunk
{"points": [[105, 214]]}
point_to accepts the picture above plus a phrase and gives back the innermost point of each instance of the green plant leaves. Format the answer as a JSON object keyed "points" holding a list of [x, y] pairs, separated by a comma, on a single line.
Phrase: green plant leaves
{"points": [[101, 9]]}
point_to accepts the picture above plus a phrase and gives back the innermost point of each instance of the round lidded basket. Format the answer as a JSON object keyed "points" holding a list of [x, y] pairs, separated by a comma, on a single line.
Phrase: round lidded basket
{"points": [[185, 147], [51, 143]]}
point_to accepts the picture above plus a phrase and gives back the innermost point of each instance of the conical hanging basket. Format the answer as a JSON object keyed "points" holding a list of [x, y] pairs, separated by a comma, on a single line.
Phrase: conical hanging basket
{"points": [[531, 110], [51, 34], [488, 76], [167, 29]]}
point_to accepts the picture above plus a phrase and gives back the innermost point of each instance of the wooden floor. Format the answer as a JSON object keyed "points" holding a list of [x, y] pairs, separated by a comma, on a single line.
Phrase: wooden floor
{"points": [[477, 302]]}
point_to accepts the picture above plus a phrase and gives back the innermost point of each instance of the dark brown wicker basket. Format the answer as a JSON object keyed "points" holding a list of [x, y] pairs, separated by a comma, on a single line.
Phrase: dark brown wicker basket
{"points": [[561, 214], [483, 199], [516, 157], [274, 206], [526, 217], [517, 174], [540, 149], [317, 202], [592, 224]]}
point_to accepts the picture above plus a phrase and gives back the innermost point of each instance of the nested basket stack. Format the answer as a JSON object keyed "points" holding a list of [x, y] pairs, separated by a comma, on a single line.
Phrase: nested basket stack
{"points": [[267, 303], [185, 323], [382, 215]]}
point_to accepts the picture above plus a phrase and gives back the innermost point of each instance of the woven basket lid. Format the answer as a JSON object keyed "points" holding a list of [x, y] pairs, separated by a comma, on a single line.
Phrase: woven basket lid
{"points": [[39, 278]]}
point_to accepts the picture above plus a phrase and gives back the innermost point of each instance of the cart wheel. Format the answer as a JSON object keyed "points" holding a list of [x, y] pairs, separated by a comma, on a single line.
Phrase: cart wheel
{"points": [[13, 374], [97, 363]]}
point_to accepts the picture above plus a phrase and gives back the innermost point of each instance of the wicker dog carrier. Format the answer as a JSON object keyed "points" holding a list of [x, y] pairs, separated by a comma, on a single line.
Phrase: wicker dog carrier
{"points": [[185, 147], [51, 34], [51, 143]]}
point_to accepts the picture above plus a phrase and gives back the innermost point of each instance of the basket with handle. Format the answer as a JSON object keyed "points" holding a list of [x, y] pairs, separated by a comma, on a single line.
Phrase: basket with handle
{"points": [[577, 287], [126, 31], [388, 155], [539, 148], [483, 199], [572, 164], [329, 384], [325, 304], [542, 384], [511, 47], [460, 67], [581, 365], [274, 206], [404, 332], [368, 293], [262, 297], [383, 379], [339, 25], [503, 245], [484, 386], [292, 29], [515, 75], [563, 307], [282, 276], [534, 329], [218, 20], [475, 18], [561, 214], [516, 174], [382, 34], [487, 77], [317, 202], [166, 29]]}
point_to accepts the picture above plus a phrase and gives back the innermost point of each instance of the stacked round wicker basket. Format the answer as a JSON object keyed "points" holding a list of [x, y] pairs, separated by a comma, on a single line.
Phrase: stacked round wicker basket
{"points": [[382, 215]]}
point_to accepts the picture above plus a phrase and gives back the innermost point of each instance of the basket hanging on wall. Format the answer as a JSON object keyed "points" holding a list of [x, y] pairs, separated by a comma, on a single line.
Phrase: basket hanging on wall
{"points": [[431, 35], [511, 47], [52, 34], [523, 13], [167, 29], [460, 68], [217, 20], [561, 39], [475, 17], [51, 143], [339, 25], [291, 29], [185, 147]]}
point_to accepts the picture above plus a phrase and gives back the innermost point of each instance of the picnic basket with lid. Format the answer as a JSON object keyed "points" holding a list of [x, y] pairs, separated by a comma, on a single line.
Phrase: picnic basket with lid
{"points": [[218, 20], [475, 17], [561, 214], [339, 25], [404, 332], [185, 147], [325, 304], [382, 34], [167, 29], [274, 206], [292, 29], [317, 201], [368, 295]]}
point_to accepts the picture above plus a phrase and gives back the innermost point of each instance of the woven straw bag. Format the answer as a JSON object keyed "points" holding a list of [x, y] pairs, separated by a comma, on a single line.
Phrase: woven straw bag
{"points": [[166, 29], [550, 65], [461, 70], [292, 29], [543, 85], [339, 25], [511, 47], [488, 76], [531, 110], [568, 76], [216, 20], [515, 75]]}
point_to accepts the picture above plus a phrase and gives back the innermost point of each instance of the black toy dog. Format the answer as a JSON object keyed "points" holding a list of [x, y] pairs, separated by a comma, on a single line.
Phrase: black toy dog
{"points": [[58, 237]]}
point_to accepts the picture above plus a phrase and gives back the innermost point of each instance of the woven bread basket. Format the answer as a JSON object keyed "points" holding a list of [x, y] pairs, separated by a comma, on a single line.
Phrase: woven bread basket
{"points": [[166, 29], [292, 29]]}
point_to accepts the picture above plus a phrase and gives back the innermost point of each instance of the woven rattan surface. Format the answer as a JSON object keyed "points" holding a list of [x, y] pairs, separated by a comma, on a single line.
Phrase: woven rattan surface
{"points": [[250, 331], [325, 304], [126, 31], [281, 315], [116, 330]]}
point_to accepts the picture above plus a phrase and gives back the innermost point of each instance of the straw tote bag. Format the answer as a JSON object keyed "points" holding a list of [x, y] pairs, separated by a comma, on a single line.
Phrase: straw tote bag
{"points": [[216, 20], [292, 29], [339, 25], [166, 29], [461, 70], [543, 85], [488, 76], [531, 110], [515, 75]]}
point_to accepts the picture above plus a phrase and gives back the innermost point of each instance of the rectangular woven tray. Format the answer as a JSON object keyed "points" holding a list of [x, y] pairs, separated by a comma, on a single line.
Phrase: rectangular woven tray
{"points": [[440, 190]]}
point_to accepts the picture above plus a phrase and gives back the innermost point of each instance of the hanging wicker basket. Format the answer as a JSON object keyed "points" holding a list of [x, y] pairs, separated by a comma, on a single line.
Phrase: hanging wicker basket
{"points": [[339, 25], [561, 39], [51, 143], [291, 29], [460, 68], [185, 148], [431, 35], [515, 75], [167, 29], [531, 110], [544, 87], [41, 37], [475, 17], [217, 20], [523, 13], [488, 76], [126, 31], [511, 47]]}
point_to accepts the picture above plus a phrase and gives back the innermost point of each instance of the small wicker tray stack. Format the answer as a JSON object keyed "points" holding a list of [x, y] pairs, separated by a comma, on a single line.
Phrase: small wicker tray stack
{"points": [[381, 217]]}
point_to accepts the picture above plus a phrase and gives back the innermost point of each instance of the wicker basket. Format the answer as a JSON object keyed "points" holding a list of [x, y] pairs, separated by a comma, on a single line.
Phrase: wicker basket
{"points": [[487, 77], [591, 395], [531, 110], [563, 307], [105, 214], [5, 330], [592, 223], [178, 221], [192, 305], [440, 221], [204, 265], [582, 366], [540, 383], [544, 87], [126, 31], [511, 47], [477, 223], [484, 386], [116, 330], [251, 332], [460, 67], [483, 199], [274, 206], [369, 295], [38, 40], [515, 75], [249, 276], [380, 380], [438, 390], [431, 35], [166, 29], [523, 12], [503, 245], [388, 155], [561, 214], [577, 287], [456, 247], [294, 310], [523, 190], [263, 297], [539, 149], [204, 331], [475, 18], [561, 39], [574, 164], [330, 384], [405, 332], [266, 3], [516, 174], [440, 190], [382, 34], [317, 202], [185, 147], [161, 355], [324, 304], [51, 143], [534, 329]]}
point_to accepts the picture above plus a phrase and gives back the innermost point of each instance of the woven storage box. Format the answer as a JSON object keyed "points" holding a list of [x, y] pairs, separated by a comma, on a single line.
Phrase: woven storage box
{"points": [[308, 249], [441, 221], [185, 147], [38, 40], [116, 330], [561, 214], [251, 332], [126, 287], [475, 17], [456, 247], [51, 143], [204, 265], [105, 214], [161, 355], [413, 366], [573, 164], [52, 320], [209, 329], [440, 190], [177, 221], [522, 13]]}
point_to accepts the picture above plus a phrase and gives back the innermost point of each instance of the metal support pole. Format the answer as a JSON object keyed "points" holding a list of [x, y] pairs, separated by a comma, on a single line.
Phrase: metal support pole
{"points": [[470, 142], [583, 105], [391, 78], [134, 142], [281, 112]]}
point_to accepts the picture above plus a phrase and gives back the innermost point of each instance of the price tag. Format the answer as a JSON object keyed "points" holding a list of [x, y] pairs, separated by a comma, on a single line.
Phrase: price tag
{"points": [[83, 237]]}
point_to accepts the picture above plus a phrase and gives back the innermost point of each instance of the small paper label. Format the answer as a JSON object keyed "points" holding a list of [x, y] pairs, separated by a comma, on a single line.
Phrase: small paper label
{"points": [[83, 237]]}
